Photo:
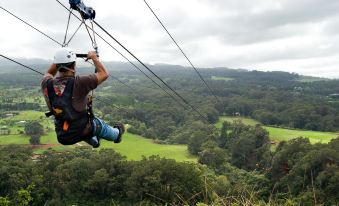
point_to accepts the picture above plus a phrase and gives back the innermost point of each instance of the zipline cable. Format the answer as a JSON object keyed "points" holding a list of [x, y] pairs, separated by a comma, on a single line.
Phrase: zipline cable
{"points": [[65, 39], [31, 26], [135, 66], [121, 82], [133, 90], [175, 42], [126, 85], [34, 70], [143, 64], [55, 42], [60, 44], [170, 88], [70, 39]]}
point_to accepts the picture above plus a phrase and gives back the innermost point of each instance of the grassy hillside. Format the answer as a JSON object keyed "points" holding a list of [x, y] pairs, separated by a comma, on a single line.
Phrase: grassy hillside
{"points": [[134, 147], [244, 120], [280, 134]]}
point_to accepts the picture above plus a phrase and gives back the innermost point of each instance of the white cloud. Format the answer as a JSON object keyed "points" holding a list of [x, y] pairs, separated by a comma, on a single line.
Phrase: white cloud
{"points": [[297, 36]]}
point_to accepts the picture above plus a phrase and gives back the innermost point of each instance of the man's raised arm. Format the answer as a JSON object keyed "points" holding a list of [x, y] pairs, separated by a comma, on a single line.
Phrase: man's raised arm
{"points": [[51, 71], [102, 74]]}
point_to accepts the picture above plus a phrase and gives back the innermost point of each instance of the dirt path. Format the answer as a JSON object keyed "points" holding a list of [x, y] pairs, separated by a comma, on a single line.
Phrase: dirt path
{"points": [[44, 146]]}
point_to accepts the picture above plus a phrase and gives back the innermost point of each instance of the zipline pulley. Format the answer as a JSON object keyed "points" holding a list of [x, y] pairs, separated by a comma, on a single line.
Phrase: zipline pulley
{"points": [[86, 12]]}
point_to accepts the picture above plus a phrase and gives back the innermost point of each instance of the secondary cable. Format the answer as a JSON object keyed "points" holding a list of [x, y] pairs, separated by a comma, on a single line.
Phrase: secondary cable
{"points": [[31, 26], [169, 87], [175, 42], [34, 70], [52, 40]]}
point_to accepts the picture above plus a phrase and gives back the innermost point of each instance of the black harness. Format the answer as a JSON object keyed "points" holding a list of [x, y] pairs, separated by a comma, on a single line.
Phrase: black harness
{"points": [[69, 123]]}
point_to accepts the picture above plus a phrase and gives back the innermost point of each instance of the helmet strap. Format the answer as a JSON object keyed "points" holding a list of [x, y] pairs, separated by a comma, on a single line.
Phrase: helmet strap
{"points": [[64, 69]]}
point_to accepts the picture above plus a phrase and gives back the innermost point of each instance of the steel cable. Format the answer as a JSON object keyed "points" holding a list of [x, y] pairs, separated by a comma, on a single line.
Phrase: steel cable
{"points": [[175, 42]]}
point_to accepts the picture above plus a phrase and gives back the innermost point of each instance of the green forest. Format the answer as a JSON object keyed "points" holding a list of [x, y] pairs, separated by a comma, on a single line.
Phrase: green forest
{"points": [[269, 138]]}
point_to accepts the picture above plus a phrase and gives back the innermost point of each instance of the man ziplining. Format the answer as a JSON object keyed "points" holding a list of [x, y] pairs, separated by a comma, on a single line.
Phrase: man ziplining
{"points": [[67, 98]]}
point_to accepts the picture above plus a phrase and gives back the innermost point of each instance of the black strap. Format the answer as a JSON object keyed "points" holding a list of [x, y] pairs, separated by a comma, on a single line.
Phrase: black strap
{"points": [[48, 114], [69, 88], [50, 93]]}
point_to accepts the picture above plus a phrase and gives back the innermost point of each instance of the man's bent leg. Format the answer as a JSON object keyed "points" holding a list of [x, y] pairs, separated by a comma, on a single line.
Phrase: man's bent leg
{"points": [[103, 130]]}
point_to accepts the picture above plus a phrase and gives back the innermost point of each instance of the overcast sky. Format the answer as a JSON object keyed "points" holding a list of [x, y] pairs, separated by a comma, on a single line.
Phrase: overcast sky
{"points": [[286, 35]]}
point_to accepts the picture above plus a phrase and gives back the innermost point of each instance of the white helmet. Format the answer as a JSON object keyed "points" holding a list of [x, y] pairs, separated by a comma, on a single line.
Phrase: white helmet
{"points": [[64, 55]]}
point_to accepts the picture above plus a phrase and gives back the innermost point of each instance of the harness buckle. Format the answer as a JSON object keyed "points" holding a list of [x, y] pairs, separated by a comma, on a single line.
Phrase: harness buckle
{"points": [[57, 111]]}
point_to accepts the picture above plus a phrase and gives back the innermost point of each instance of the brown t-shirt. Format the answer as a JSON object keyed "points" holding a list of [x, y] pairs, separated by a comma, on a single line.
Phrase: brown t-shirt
{"points": [[82, 86]]}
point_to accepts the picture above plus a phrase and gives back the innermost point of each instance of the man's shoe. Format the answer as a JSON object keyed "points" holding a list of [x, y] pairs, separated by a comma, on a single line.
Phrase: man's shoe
{"points": [[97, 145], [94, 142], [121, 129]]}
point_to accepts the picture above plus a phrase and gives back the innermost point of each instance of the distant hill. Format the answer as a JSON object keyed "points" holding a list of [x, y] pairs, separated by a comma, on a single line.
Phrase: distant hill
{"points": [[163, 69]]}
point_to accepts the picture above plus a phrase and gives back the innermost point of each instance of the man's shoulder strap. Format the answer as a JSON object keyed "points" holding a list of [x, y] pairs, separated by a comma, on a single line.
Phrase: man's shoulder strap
{"points": [[50, 90], [51, 95], [69, 86]]}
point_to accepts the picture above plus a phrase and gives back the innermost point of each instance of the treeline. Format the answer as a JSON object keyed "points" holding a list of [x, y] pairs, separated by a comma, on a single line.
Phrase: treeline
{"points": [[241, 170], [272, 98], [305, 174], [286, 109], [20, 106], [86, 177]]}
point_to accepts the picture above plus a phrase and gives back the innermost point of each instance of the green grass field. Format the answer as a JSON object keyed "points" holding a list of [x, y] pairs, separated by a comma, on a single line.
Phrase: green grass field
{"points": [[29, 115], [307, 79], [13, 139], [244, 120], [26, 116], [221, 78], [134, 147], [280, 134]]}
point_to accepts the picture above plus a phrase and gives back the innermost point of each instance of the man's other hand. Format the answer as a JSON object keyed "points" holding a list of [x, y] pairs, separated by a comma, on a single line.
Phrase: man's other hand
{"points": [[92, 55]]}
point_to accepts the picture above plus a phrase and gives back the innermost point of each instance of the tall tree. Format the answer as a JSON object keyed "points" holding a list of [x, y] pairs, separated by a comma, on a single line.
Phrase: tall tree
{"points": [[34, 128]]}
